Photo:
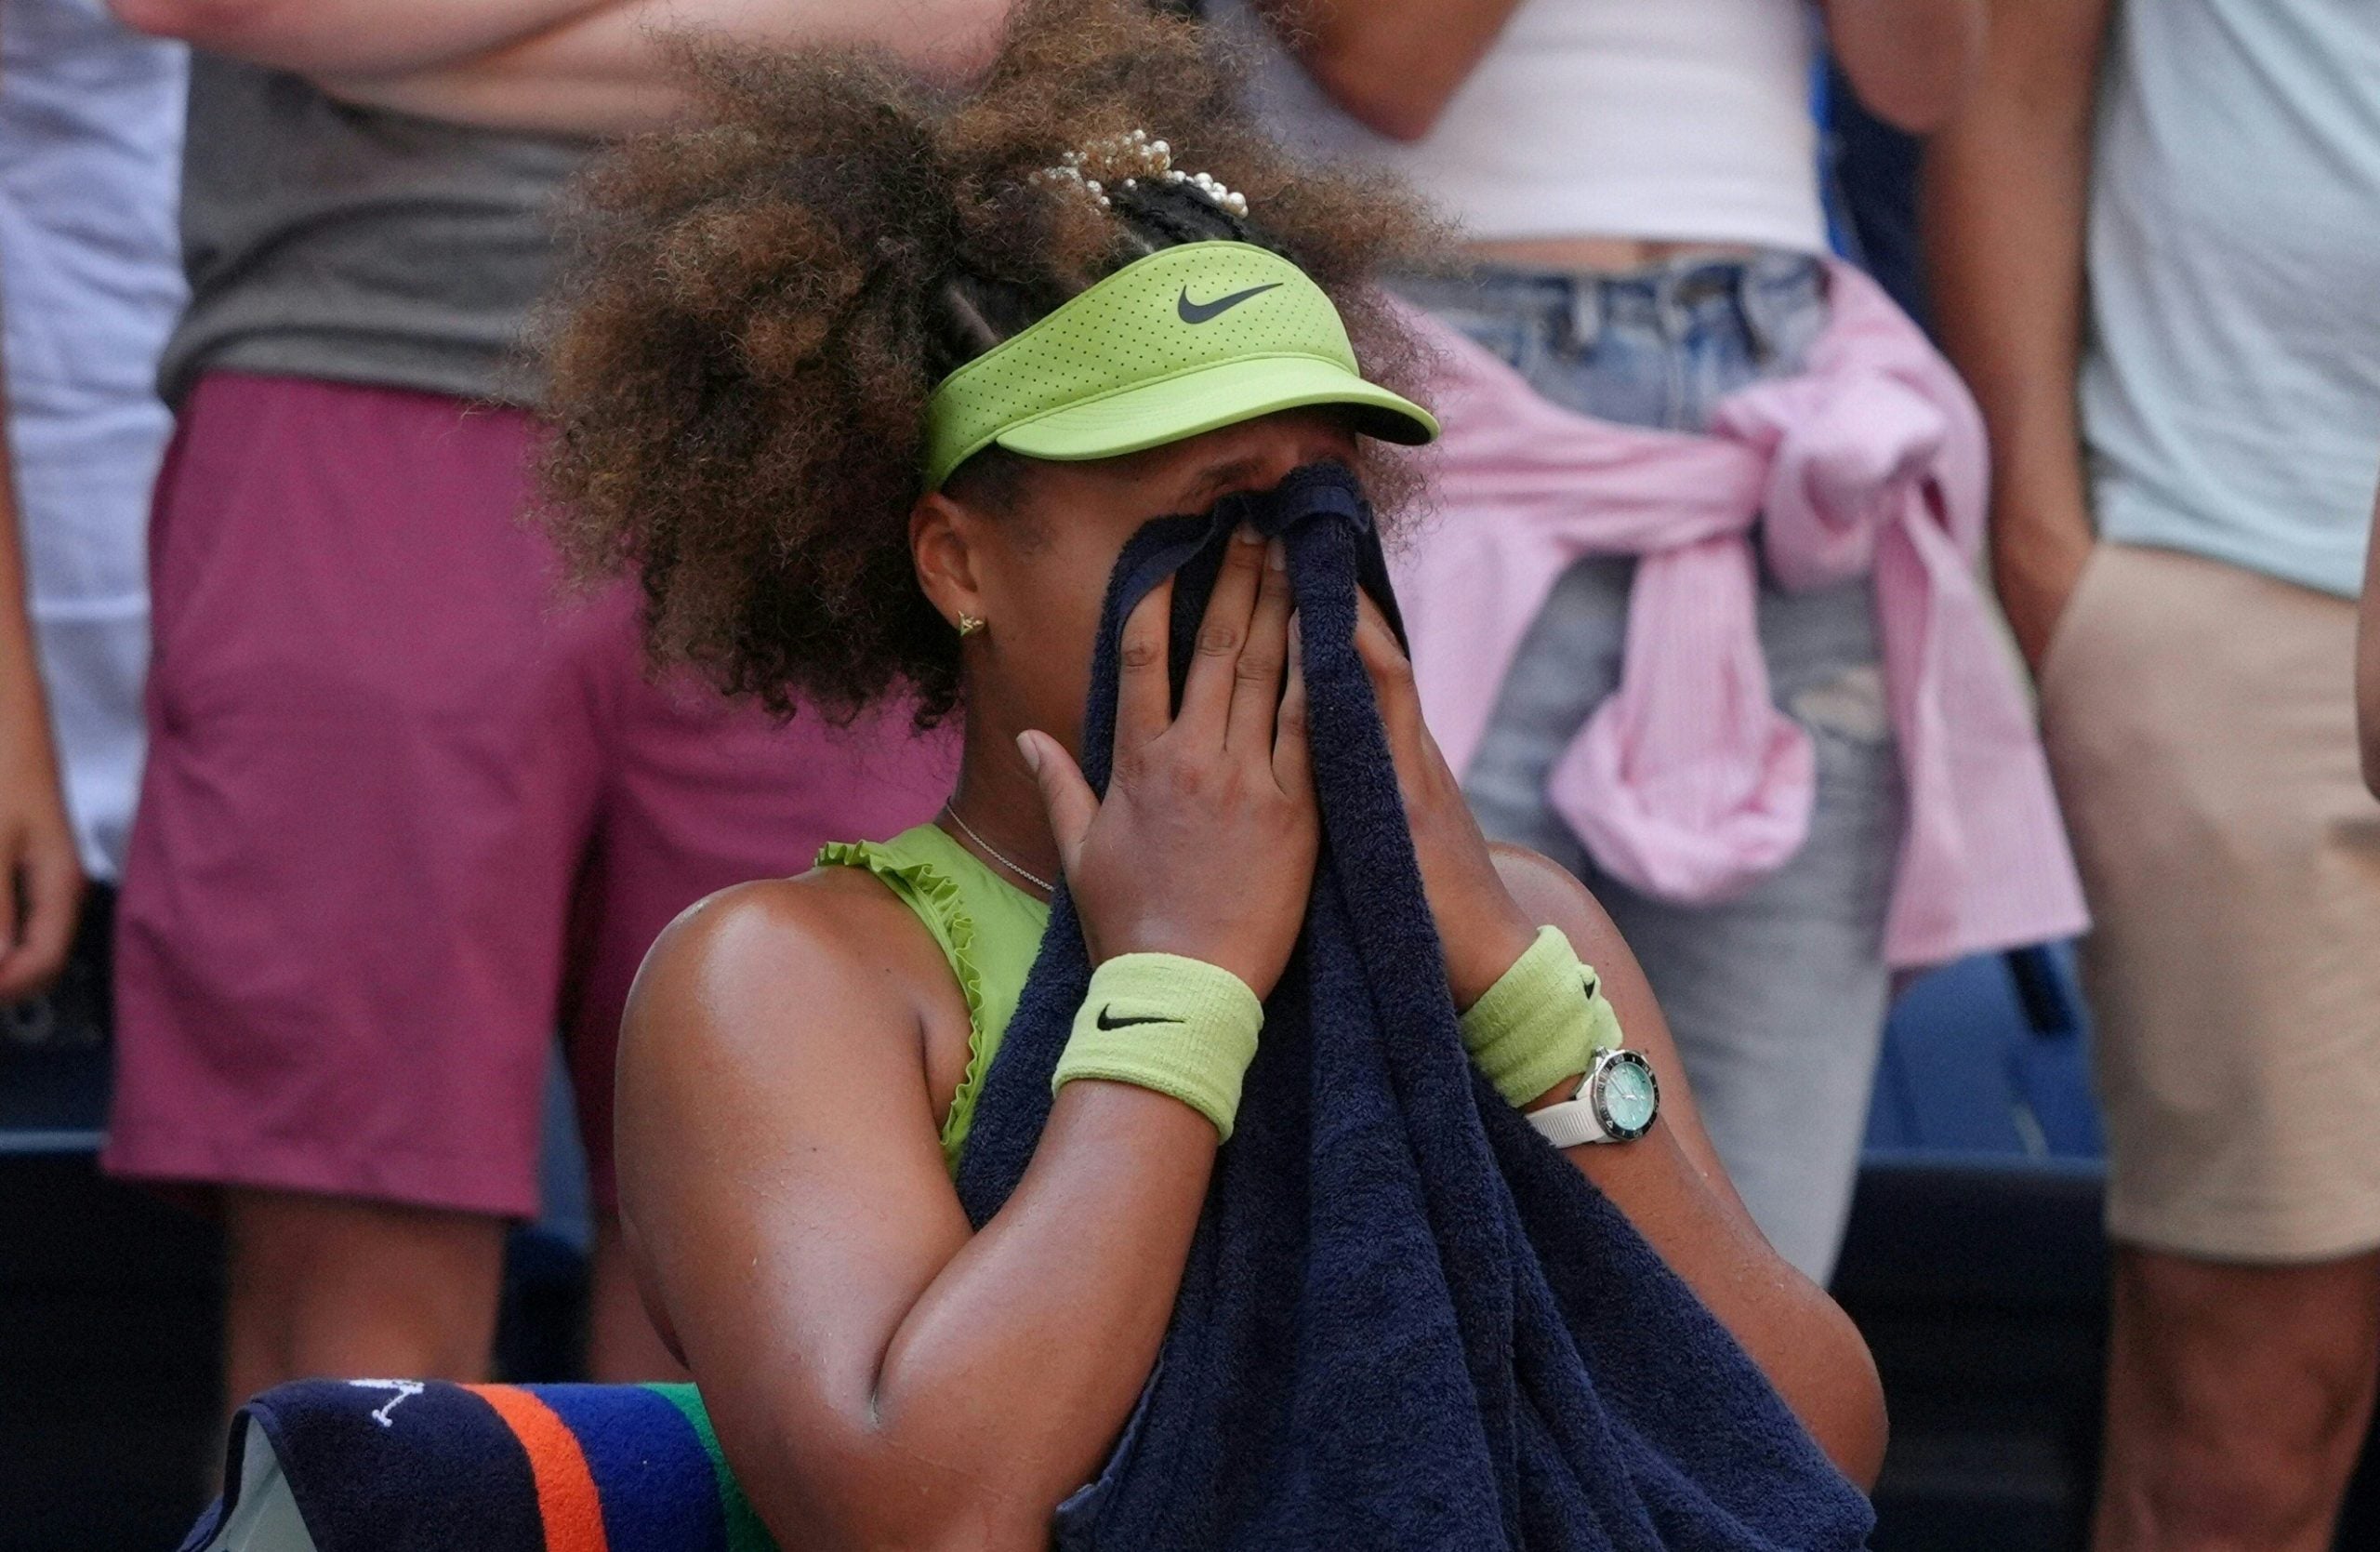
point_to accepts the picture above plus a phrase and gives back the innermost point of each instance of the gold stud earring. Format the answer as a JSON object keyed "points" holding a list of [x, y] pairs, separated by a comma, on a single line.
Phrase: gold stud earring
{"points": [[968, 625]]}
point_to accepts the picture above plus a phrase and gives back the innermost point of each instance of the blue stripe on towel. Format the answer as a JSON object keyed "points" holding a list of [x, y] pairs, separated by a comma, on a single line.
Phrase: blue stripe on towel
{"points": [[651, 1473]]}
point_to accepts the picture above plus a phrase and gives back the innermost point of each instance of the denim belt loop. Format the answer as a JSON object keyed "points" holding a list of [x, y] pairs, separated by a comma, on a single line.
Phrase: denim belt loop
{"points": [[1753, 308], [1757, 286], [1585, 323], [1678, 291]]}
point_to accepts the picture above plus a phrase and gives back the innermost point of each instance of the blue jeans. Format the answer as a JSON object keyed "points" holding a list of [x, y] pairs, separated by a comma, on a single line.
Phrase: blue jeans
{"points": [[1776, 998]]}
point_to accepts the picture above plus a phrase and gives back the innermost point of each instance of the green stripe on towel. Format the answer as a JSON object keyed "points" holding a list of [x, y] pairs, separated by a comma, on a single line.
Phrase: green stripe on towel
{"points": [[745, 1531]]}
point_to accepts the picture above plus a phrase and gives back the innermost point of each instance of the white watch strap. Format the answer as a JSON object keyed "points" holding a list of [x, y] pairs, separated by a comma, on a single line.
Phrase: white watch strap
{"points": [[1569, 1124]]}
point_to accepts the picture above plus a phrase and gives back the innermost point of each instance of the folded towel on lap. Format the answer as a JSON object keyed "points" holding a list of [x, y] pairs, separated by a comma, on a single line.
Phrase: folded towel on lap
{"points": [[412, 1466]]}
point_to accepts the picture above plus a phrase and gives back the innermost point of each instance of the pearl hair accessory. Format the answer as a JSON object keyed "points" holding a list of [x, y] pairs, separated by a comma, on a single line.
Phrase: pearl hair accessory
{"points": [[1125, 160]]}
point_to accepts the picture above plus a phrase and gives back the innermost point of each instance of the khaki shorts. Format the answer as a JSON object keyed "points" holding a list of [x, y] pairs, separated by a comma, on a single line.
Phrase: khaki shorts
{"points": [[2201, 724]]}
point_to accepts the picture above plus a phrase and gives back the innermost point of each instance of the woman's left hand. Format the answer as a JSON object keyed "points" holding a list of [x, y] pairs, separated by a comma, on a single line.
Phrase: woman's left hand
{"points": [[1482, 928]]}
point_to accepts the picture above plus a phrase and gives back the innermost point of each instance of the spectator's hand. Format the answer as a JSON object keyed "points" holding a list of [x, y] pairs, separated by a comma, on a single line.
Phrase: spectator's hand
{"points": [[2036, 562], [40, 878]]}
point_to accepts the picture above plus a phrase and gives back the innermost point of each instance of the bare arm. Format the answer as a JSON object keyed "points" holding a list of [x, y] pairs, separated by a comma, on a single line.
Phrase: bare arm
{"points": [[1392, 65], [1911, 61], [612, 71], [1673, 1187], [40, 878], [350, 36], [581, 67], [2367, 661], [878, 1375], [2003, 205]]}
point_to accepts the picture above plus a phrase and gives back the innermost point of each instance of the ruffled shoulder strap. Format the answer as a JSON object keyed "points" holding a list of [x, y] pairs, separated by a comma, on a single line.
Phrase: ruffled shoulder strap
{"points": [[988, 930]]}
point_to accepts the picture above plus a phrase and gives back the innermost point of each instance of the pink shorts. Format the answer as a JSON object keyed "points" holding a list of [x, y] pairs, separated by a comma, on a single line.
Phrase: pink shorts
{"points": [[409, 812]]}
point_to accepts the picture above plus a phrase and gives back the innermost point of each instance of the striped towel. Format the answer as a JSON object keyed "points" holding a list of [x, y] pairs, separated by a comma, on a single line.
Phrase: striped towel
{"points": [[412, 1466]]}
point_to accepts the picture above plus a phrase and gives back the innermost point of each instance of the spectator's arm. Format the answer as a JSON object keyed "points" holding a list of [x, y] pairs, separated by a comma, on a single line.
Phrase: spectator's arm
{"points": [[612, 70], [378, 37], [2003, 209], [2367, 661], [41, 879], [1392, 65], [1911, 61]]}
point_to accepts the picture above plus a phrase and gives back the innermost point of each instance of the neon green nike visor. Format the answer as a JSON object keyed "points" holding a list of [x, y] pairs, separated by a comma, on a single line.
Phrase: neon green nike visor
{"points": [[1188, 340]]}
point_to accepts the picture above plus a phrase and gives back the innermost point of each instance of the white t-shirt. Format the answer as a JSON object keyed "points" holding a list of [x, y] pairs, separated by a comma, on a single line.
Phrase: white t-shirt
{"points": [[1666, 120], [90, 282]]}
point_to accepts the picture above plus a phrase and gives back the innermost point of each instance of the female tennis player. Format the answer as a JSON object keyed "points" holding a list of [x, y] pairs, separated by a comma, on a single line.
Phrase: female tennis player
{"points": [[871, 385]]}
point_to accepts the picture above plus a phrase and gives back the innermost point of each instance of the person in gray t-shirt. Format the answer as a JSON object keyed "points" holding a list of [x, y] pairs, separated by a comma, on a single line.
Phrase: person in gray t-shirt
{"points": [[403, 816]]}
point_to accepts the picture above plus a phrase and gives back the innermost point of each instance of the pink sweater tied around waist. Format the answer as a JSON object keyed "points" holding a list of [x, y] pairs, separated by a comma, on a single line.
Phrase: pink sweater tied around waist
{"points": [[1688, 784]]}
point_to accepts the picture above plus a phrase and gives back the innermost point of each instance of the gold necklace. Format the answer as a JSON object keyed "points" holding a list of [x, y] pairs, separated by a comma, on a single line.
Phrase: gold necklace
{"points": [[1035, 880]]}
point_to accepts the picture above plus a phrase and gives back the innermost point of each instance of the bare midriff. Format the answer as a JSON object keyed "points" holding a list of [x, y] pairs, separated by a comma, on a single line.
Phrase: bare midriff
{"points": [[1606, 255]]}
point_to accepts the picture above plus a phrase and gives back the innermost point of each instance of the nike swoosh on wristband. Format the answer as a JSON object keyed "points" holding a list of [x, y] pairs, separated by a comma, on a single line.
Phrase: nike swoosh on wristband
{"points": [[1107, 1020], [1199, 312]]}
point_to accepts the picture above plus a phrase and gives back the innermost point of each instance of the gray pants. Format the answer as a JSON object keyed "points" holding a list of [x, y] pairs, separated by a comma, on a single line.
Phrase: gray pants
{"points": [[1776, 998]]}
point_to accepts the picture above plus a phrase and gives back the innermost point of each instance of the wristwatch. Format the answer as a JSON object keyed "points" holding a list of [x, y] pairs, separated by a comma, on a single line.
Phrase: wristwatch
{"points": [[1616, 1103]]}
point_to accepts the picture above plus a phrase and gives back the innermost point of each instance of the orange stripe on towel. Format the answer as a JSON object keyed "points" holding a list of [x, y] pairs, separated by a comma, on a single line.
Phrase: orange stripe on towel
{"points": [[566, 1497]]}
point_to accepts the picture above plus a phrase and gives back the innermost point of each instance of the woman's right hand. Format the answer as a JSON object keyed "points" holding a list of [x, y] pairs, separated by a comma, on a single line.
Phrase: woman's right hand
{"points": [[1205, 845]]}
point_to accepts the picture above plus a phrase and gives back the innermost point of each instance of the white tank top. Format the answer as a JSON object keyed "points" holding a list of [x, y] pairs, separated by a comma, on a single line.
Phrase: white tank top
{"points": [[1664, 120]]}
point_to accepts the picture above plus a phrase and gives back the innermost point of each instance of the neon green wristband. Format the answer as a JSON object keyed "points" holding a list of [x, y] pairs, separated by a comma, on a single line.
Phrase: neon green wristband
{"points": [[1542, 1021], [1181, 1027]]}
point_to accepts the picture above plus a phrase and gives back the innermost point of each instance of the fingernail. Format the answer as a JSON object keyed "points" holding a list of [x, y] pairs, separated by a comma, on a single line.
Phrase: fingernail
{"points": [[1276, 555], [1246, 534], [1031, 750]]}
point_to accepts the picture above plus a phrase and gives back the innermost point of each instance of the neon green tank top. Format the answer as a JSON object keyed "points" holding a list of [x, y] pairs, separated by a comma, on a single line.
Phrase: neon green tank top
{"points": [[989, 929]]}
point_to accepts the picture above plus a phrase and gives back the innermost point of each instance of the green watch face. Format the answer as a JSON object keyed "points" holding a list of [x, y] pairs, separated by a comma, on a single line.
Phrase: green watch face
{"points": [[1625, 1095]]}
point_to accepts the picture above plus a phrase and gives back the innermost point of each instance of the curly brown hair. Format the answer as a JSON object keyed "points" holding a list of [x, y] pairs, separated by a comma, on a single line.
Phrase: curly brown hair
{"points": [[759, 303]]}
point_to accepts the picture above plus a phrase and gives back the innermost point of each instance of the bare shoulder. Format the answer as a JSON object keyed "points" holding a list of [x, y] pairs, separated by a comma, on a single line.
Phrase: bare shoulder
{"points": [[762, 969], [773, 1053]]}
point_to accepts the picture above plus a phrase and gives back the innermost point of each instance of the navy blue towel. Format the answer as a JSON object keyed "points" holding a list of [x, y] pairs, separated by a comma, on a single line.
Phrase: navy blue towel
{"points": [[1407, 1322]]}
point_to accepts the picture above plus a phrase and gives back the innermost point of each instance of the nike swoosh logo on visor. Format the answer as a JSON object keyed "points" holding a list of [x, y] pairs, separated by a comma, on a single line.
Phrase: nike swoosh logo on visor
{"points": [[1199, 312], [1107, 1020]]}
